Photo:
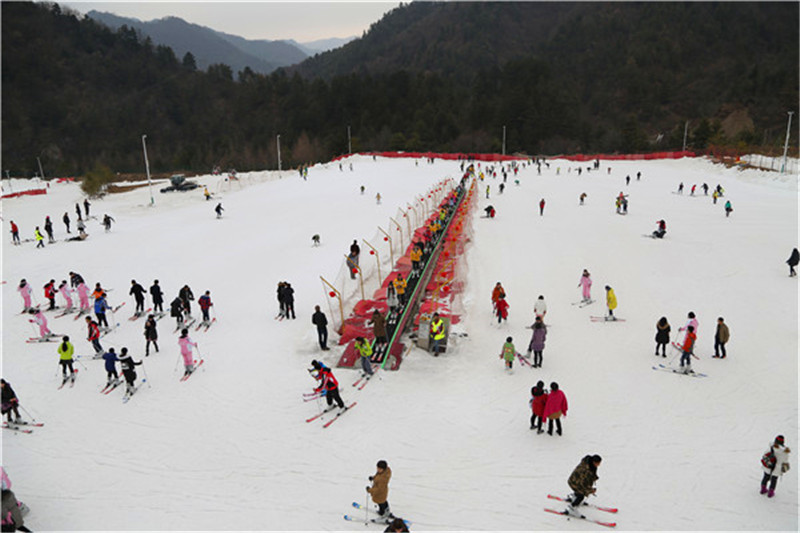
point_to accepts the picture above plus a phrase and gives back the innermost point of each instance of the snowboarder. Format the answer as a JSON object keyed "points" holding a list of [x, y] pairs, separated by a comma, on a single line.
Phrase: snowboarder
{"points": [[138, 293], [25, 291], [81, 229], [661, 229], [720, 338], [67, 294], [158, 297], [728, 208], [581, 481], [40, 320], [150, 334], [86, 205], [541, 207], [186, 295], [380, 490], [365, 353], [686, 348], [537, 341], [508, 353], [775, 463], [502, 309], [705, 188], [176, 310], [9, 401], [50, 292], [537, 402], [328, 384], [110, 358], [555, 407], [378, 322], [540, 307], [11, 509], [39, 238], [93, 334], [219, 209], [128, 367], [694, 188], [436, 334], [792, 262], [186, 345], [611, 302], [205, 304], [65, 352], [321, 321], [107, 220], [662, 335], [15, 233], [48, 228]]}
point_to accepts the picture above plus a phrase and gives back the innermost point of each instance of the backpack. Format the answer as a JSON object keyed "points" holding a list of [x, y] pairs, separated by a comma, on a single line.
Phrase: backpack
{"points": [[768, 460]]}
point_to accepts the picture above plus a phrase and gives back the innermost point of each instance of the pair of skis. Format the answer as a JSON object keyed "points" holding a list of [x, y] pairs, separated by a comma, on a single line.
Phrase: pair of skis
{"points": [[17, 426], [583, 517], [583, 303], [111, 386], [606, 319], [187, 325], [129, 393], [50, 337], [371, 516], [690, 373], [68, 379], [138, 315], [197, 365], [206, 324], [328, 410]]}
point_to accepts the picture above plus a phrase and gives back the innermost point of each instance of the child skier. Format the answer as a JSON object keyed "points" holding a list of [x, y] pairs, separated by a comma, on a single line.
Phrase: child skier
{"points": [[537, 402], [40, 320], [93, 335], [508, 353], [110, 358], [688, 345], [365, 353], [50, 293], [691, 322], [25, 291], [581, 481], [775, 463], [66, 292], [380, 490], [586, 286], [127, 365], [186, 345], [83, 297], [205, 304]]}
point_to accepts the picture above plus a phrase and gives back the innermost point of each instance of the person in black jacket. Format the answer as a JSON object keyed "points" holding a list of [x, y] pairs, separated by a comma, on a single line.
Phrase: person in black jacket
{"points": [[75, 279], [10, 400], [186, 296], [127, 364], [288, 299], [158, 297], [662, 335], [65, 218], [138, 293], [48, 227], [792, 262], [176, 310], [321, 321], [281, 303], [150, 334]]}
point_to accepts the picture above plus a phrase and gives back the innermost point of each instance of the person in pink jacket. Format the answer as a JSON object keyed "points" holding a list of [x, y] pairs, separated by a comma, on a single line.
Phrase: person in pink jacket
{"points": [[692, 322], [41, 321], [586, 284], [186, 351], [25, 291], [12, 509], [555, 407], [66, 292], [83, 296]]}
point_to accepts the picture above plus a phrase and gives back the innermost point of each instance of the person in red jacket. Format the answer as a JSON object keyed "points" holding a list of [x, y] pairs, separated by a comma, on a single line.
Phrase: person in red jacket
{"points": [[329, 384], [14, 233], [538, 401], [502, 308], [688, 346], [555, 407], [205, 304], [50, 293], [94, 334], [541, 207]]}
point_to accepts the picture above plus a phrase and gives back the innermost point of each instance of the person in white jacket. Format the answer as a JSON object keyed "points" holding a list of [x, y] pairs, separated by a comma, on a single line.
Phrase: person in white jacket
{"points": [[774, 463], [540, 308]]}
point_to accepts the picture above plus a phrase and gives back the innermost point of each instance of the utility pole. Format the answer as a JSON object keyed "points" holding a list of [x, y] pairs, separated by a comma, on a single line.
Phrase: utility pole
{"points": [[786, 144], [41, 171], [279, 152], [685, 132], [504, 140], [147, 169]]}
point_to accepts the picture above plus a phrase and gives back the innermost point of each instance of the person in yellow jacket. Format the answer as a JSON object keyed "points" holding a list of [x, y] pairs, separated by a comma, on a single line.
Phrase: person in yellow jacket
{"points": [[611, 302], [416, 257], [380, 490], [39, 238], [436, 334], [65, 352], [365, 351], [400, 288]]}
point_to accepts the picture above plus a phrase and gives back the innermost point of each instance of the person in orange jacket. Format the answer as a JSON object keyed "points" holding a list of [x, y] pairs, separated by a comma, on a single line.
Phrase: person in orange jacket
{"points": [[496, 293], [688, 346]]}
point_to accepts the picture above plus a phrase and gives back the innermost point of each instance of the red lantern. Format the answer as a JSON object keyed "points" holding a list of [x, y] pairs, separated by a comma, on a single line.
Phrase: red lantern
{"points": [[386, 238], [372, 252], [332, 294]]}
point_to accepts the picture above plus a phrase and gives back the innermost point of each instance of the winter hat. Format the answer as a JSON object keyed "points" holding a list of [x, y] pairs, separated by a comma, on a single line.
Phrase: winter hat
{"points": [[691, 314], [540, 384], [596, 458], [554, 386], [779, 439], [509, 339], [382, 464], [315, 364]]}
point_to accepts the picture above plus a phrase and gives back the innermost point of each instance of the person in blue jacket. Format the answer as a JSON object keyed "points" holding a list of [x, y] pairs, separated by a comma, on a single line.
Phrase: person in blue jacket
{"points": [[110, 358], [100, 306]]}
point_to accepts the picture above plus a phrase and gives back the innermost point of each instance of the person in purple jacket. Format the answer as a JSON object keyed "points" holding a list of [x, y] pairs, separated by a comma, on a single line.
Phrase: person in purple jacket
{"points": [[537, 341]]}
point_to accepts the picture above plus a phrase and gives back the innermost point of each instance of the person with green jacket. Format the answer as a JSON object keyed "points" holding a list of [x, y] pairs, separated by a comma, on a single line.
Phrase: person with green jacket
{"points": [[508, 353], [365, 351], [581, 481], [65, 352]]}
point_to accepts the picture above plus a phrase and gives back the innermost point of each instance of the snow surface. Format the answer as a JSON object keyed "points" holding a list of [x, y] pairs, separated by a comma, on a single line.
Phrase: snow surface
{"points": [[230, 450]]}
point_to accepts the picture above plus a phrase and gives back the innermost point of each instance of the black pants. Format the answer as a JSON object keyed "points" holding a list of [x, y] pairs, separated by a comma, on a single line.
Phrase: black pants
{"points": [[147, 346], [773, 480], [112, 374], [577, 499], [550, 426], [290, 309], [206, 318], [101, 319], [158, 306], [332, 395], [663, 348], [719, 347], [66, 363], [322, 336], [382, 508], [537, 358], [52, 303], [139, 304]]}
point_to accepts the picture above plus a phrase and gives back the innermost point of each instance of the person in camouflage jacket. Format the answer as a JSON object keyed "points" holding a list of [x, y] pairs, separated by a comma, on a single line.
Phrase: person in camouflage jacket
{"points": [[582, 479]]}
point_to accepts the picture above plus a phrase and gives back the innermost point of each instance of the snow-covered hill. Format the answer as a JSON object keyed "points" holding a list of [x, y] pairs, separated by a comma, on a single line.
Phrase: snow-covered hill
{"points": [[230, 448]]}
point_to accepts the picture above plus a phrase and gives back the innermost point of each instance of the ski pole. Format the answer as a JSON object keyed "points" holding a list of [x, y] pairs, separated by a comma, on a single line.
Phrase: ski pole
{"points": [[366, 509], [146, 378], [177, 362], [81, 363], [33, 418]]}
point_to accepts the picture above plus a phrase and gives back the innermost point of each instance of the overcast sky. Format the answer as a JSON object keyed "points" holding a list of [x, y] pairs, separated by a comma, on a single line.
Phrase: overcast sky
{"points": [[299, 20]]}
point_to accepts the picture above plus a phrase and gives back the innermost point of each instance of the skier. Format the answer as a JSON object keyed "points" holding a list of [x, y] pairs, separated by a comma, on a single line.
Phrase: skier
{"points": [[100, 307], [67, 294], [487, 192], [15, 233], [150, 334], [98, 291], [206, 193], [661, 229], [380, 490], [705, 188], [48, 228], [378, 322], [138, 293], [218, 210], [638, 176], [365, 353], [83, 297], [497, 291], [50, 293], [158, 297], [329, 384], [728, 208], [688, 345], [489, 211], [586, 284], [86, 205], [611, 302], [400, 288], [694, 187], [186, 296], [11, 508], [555, 407], [541, 207], [186, 345], [93, 334], [75, 279], [65, 352], [581, 481], [502, 187], [25, 291], [792, 262], [628, 179], [128, 367], [680, 188], [321, 321], [288, 299], [662, 335], [508, 353], [537, 402], [775, 463], [714, 197], [315, 239], [540, 307], [502, 309], [78, 211], [398, 525], [691, 322], [39, 238], [176, 310], [582, 197], [107, 220], [378, 198], [205, 304], [110, 358], [40, 320], [9, 401], [537, 341], [720, 338], [81, 230], [65, 218]]}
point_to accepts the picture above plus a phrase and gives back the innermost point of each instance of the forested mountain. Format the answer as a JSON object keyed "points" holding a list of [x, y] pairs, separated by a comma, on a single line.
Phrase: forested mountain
{"points": [[208, 46], [562, 77]]}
